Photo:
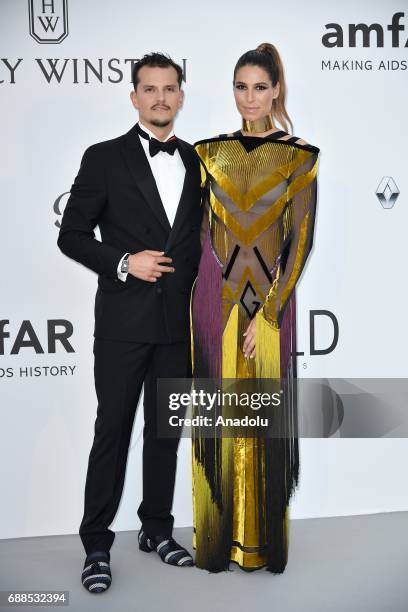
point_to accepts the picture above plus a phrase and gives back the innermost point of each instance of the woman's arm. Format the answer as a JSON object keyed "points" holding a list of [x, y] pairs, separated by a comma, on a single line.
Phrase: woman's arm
{"points": [[302, 190]]}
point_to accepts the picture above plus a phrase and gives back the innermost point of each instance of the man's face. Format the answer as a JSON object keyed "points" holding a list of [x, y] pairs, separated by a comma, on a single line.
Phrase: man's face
{"points": [[158, 95]]}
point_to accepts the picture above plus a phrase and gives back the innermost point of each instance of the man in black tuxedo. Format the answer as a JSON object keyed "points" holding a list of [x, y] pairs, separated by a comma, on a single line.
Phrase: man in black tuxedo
{"points": [[143, 190]]}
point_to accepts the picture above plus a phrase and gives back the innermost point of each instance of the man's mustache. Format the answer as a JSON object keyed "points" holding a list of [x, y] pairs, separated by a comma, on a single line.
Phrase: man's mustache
{"points": [[161, 106]]}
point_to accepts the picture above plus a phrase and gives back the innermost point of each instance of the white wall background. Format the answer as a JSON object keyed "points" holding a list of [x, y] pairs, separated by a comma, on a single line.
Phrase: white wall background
{"points": [[358, 119]]}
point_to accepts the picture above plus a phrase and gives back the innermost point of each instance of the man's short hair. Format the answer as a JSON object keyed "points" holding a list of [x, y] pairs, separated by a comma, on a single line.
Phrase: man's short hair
{"points": [[155, 60]]}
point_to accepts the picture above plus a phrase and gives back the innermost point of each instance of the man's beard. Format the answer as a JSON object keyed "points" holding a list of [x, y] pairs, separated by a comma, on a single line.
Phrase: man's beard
{"points": [[160, 122]]}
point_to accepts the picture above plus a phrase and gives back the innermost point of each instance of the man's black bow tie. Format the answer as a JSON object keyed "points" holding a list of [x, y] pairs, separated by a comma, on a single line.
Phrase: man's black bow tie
{"points": [[169, 146], [157, 145]]}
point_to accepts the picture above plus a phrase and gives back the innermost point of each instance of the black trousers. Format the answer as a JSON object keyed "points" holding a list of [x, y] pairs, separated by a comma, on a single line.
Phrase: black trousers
{"points": [[121, 369]]}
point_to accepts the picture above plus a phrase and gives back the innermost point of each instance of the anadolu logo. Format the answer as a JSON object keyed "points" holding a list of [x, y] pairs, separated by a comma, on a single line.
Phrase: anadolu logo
{"points": [[48, 20]]}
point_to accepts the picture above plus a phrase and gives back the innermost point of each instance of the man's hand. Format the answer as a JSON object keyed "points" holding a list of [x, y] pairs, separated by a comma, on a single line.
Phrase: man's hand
{"points": [[146, 265]]}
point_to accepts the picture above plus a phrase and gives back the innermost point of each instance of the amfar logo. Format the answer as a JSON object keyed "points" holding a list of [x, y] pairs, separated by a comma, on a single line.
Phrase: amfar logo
{"points": [[336, 37], [387, 192], [26, 336], [48, 20]]}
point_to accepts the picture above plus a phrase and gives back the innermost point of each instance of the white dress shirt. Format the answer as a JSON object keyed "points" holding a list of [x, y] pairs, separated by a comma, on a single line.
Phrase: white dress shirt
{"points": [[168, 172]]}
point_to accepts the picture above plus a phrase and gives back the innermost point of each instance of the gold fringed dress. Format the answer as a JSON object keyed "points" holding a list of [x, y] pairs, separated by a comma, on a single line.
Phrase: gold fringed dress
{"points": [[258, 225]]}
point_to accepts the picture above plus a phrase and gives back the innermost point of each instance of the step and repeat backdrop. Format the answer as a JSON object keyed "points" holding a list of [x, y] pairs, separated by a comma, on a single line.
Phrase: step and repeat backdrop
{"points": [[65, 80]]}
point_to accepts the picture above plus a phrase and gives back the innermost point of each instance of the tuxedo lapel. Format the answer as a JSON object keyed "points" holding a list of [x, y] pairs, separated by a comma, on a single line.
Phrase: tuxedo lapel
{"points": [[139, 168], [184, 205]]}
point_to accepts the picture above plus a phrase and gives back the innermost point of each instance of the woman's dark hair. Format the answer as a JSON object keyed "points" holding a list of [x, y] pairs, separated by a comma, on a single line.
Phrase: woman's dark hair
{"points": [[155, 60], [266, 56]]}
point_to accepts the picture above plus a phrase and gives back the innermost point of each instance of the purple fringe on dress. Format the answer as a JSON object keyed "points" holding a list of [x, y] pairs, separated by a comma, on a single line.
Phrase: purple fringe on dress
{"points": [[207, 338], [207, 311]]}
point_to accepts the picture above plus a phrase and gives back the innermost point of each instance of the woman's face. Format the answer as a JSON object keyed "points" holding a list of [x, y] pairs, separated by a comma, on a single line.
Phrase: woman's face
{"points": [[253, 92]]}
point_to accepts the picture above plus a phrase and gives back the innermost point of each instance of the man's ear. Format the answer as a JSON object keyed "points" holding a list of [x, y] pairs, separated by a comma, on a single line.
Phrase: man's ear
{"points": [[181, 101], [133, 97]]}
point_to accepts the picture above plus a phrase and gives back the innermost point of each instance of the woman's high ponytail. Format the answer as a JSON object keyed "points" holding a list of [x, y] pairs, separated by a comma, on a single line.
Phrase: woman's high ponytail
{"points": [[266, 56]]}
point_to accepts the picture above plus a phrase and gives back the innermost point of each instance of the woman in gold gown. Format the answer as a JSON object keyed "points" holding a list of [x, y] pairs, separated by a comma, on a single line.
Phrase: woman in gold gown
{"points": [[260, 186]]}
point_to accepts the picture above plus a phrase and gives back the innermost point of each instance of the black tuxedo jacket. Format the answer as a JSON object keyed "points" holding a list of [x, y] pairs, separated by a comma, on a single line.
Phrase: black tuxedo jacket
{"points": [[116, 190]]}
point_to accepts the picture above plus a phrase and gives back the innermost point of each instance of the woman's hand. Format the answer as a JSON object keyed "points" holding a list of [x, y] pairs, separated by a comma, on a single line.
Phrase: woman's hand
{"points": [[249, 342]]}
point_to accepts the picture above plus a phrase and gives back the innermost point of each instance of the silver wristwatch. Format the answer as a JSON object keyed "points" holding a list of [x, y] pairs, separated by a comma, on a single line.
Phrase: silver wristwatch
{"points": [[125, 264]]}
